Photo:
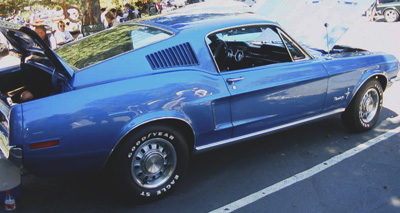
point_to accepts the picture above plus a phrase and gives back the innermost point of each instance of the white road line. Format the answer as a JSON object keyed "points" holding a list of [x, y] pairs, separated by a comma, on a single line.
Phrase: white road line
{"points": [[306, 174]]}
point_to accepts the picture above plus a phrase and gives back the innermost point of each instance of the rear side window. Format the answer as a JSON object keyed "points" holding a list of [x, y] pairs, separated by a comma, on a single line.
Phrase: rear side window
{"points": [[110, 43]]}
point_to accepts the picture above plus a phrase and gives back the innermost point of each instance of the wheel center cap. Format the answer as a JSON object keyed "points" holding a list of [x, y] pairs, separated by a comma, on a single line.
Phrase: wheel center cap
{"points": [[154, 162], [369, 105]]}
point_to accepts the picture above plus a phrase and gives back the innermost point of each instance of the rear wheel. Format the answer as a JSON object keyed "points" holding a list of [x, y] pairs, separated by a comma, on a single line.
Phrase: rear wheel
{"points": [[391, 15], [150, 162], [364, 110]]}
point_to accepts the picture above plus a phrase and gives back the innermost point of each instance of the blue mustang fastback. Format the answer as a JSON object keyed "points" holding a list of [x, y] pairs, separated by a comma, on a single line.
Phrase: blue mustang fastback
{"points": [[141, 98]]}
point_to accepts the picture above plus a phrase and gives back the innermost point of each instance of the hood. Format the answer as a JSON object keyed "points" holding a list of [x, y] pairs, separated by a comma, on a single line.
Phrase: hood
{"points": [[27, 43], [305, 19]]}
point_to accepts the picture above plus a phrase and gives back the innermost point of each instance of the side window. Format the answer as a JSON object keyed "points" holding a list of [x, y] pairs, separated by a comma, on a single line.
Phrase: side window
{"points": [[246, 47], [294, 50]]}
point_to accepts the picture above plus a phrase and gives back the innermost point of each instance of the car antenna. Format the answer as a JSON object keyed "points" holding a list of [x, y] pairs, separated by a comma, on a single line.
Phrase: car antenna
{"points": [[327, 41]]}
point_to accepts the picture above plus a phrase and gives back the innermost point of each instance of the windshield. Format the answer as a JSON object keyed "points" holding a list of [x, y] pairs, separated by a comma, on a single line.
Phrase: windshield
{"points": [[110, 43]]}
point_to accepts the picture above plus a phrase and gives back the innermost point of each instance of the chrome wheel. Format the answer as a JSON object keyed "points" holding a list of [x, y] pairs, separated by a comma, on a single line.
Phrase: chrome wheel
{"points": [[363, 111], [391, 15], [369, 105], [153, 163]]}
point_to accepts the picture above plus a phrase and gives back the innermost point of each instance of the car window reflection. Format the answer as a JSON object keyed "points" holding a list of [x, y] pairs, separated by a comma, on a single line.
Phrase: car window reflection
{"points": [[109, 43]]}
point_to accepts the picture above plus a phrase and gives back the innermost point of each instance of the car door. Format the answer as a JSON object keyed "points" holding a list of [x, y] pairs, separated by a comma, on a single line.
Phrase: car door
{"points": [[273, 82]]}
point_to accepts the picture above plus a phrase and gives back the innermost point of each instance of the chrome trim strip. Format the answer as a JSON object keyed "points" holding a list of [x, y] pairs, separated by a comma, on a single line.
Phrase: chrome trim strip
{"points": [[4, 148], [262, 132], [284, 35], [395, 79]]}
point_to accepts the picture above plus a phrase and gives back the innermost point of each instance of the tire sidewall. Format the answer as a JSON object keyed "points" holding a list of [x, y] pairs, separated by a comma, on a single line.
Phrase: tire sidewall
{"points": [[123, 161]]}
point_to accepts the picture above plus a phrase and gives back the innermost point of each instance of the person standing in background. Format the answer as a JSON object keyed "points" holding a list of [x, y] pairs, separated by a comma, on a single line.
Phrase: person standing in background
{"points": [[61, 35], [103, 17], [47, 38]]}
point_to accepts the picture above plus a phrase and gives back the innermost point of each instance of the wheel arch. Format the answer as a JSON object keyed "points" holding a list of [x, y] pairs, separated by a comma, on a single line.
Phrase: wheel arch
{"points": [[390, 8], [182, 126], [383, 80]]}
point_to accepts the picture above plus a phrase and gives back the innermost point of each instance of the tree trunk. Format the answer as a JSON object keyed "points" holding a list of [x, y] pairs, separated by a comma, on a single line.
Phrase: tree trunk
{"points": [[91, 12], [64, 8]]}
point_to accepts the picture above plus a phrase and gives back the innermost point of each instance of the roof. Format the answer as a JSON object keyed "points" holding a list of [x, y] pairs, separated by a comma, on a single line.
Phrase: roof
{"points": [[210, 21]]}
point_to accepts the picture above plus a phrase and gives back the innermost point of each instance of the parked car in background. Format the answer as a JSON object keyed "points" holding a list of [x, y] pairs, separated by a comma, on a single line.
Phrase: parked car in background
{"points": [[390, 9], [140, 98], [178, 3]]}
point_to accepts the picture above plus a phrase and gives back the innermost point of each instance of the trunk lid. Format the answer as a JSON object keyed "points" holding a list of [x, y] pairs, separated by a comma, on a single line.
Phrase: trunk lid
{"points": [[28, 43]]}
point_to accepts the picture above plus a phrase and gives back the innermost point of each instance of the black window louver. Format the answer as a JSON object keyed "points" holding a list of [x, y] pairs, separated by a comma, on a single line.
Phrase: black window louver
{"points": [[180, 55]]}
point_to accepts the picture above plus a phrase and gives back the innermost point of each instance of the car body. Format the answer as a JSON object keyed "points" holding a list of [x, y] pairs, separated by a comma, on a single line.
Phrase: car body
{"points": [[389, 8], [141, 98]]}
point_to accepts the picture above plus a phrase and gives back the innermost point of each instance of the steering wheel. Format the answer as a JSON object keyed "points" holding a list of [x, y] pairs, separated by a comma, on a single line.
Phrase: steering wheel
{"points": [[221, 54]]}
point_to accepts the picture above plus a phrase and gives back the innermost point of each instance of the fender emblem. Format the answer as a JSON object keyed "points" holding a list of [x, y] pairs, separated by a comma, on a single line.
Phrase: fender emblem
{"points": [[347, 93], [339, 98]]}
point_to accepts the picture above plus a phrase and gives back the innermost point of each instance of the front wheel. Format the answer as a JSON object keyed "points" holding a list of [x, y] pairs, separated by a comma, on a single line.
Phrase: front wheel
{"points": [[391, 15], [150, 162], [364, 110]]}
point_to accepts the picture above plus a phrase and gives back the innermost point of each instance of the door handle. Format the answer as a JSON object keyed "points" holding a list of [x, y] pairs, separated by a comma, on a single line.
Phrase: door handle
{"points": [[233, 80]]}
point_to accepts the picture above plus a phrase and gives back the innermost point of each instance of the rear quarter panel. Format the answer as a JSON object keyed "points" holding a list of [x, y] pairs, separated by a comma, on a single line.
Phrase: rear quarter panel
{"points": [[116, 96], [90, 121]]}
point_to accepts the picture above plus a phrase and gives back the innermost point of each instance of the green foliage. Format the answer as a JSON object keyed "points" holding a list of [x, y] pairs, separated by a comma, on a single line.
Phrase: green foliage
{"points": [[26, 15], [13, 6], [97, 48], [118, 3], [110, 43]]}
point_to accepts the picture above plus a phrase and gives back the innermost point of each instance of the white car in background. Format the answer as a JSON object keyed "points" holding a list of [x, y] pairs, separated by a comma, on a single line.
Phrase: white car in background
{"points": [[178, 3]]}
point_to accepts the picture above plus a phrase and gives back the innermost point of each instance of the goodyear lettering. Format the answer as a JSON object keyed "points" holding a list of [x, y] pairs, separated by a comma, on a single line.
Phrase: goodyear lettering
{"points": [[145, 194], [169, 186], [148, 136]]}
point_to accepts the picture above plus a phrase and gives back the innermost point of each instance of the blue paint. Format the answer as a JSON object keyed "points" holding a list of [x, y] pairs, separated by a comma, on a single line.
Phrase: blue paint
{"points": [[102, 103]]}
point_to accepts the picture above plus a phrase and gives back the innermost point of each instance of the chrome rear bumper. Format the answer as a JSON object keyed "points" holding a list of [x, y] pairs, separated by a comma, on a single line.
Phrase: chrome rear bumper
{"points": [[13, 154], [395, 79]]}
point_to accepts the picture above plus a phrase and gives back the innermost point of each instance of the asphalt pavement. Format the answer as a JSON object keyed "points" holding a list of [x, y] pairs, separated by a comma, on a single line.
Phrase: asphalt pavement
{"points": [[292, 171]]}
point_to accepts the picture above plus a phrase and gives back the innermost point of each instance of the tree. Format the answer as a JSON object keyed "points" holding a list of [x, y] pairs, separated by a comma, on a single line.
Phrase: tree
{"points": [[12, 6], [90, 10]]}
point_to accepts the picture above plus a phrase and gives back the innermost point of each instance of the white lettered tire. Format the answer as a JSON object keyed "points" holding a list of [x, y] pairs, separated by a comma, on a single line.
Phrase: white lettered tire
{"points": [[150, 162], [364, 110]]}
